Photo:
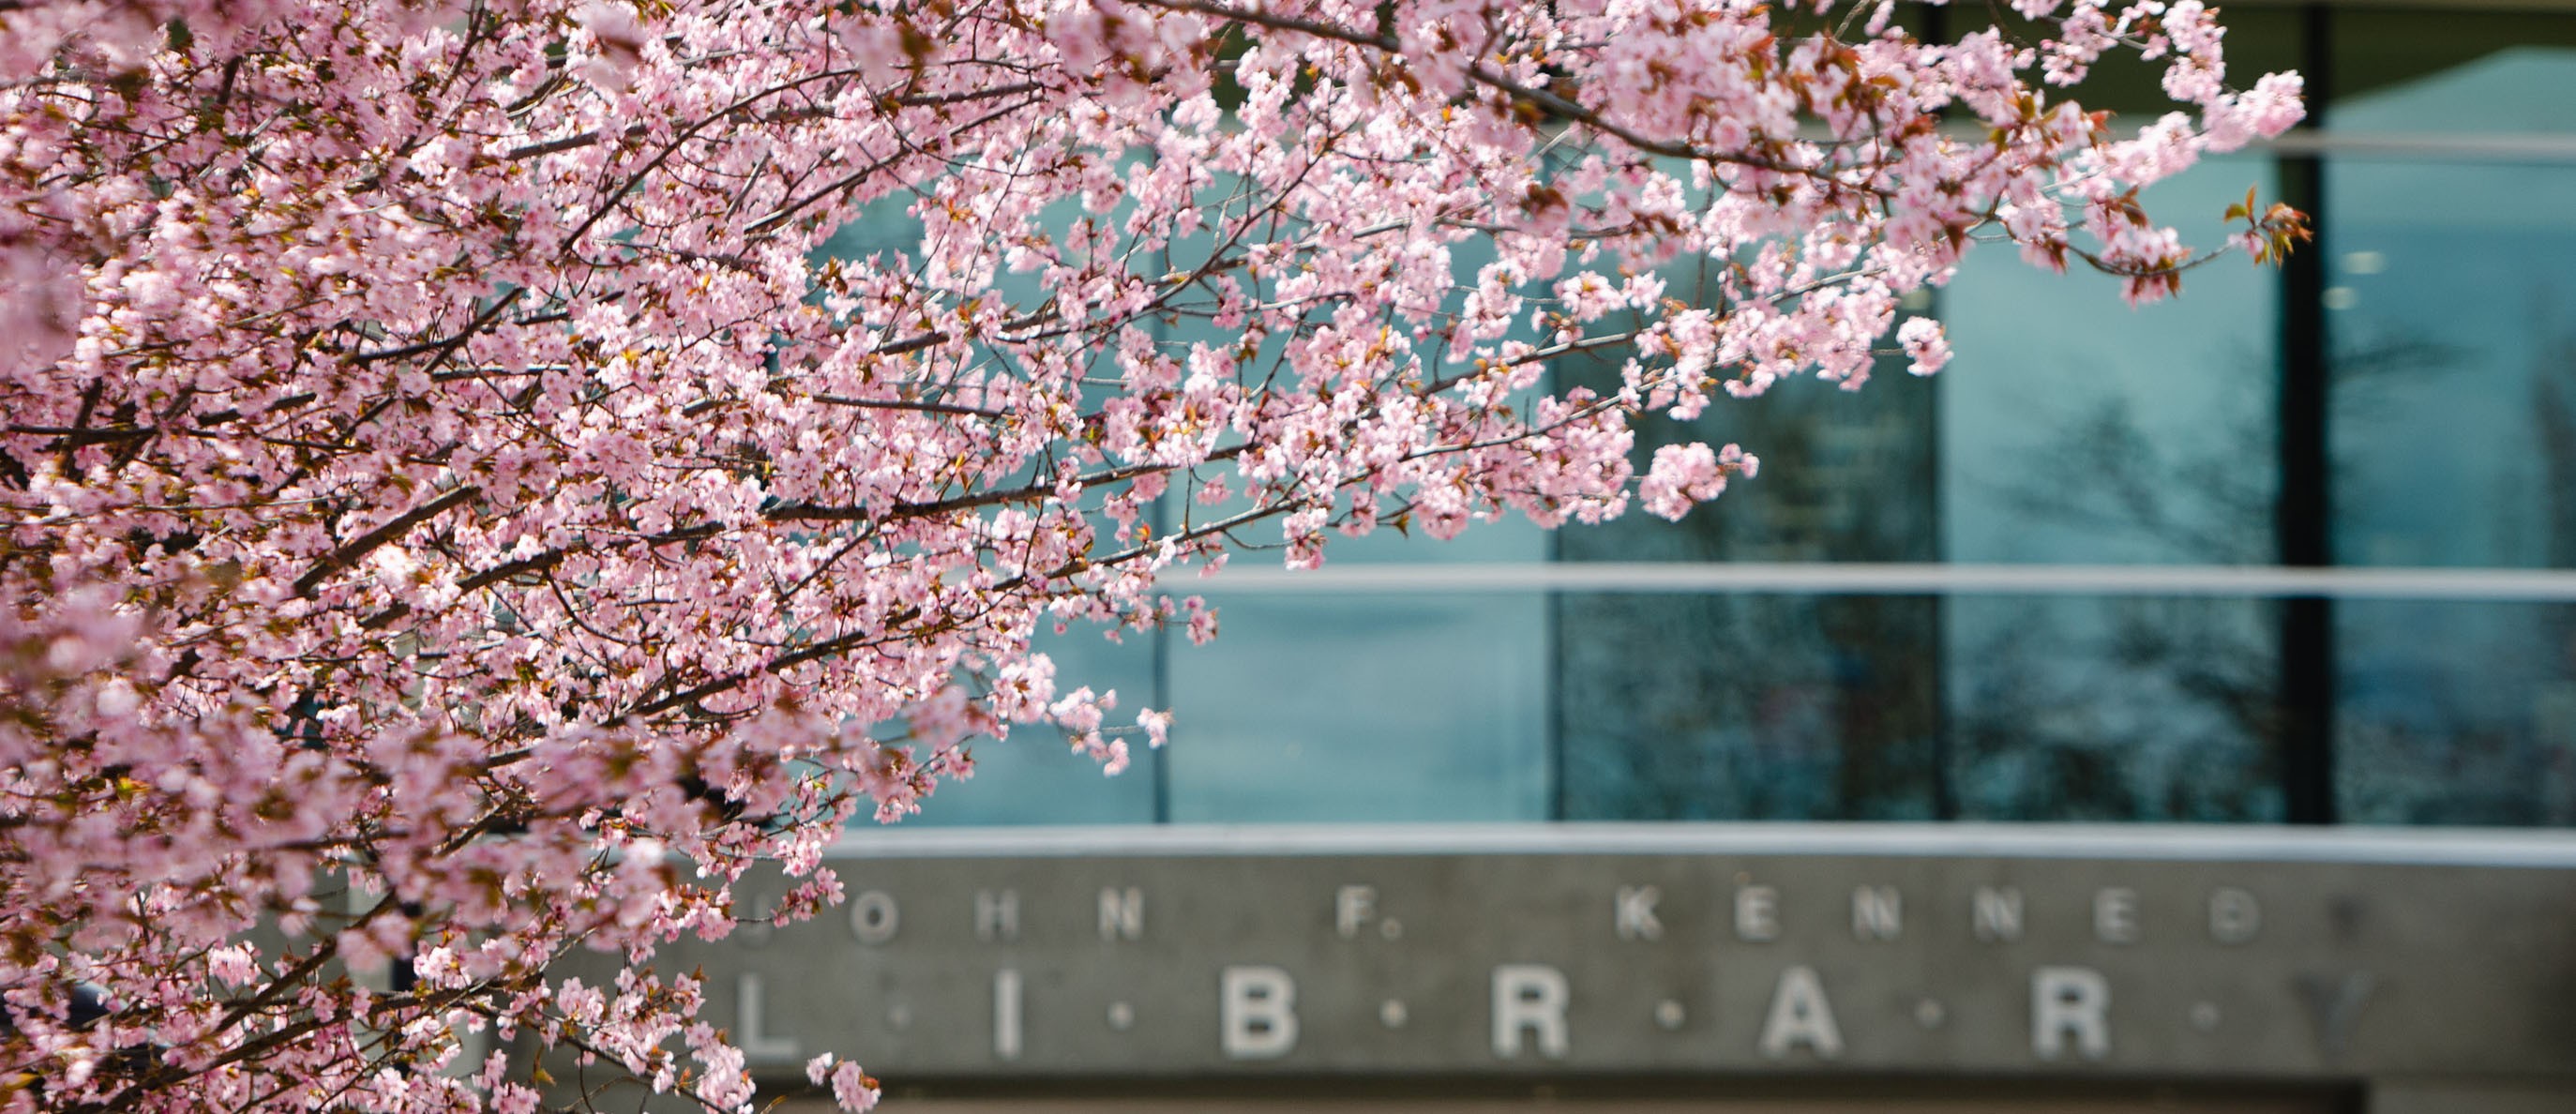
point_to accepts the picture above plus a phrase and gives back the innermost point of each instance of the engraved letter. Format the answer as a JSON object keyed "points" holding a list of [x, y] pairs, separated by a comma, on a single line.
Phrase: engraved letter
{"points": [[2115, 916], [872, 917], [1352, 907], [1006, 1013], [1877, 913], [1122, 913], [1634, 913], [1757, 913], [1529, 996], [2070, 1000], [997, 915], [752, 1023], [1256, 1013], [1997, 914], [2334, 1005], [2234, 917], [1800, 1014]]}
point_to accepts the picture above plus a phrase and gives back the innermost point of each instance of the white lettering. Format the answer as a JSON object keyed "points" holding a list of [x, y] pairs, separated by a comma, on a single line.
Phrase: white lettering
{"points": [[873, 917], [2234, 916], [2070, 1001], [1529, 997], [1633, 911], [1801, 1015], [1352, 907], [1878, 913], [751, 1024], [997, 915], [1006, 1013], [1757, 913], [2115, 916], [1122, 913], [1256, 1013], [1996, 914]]}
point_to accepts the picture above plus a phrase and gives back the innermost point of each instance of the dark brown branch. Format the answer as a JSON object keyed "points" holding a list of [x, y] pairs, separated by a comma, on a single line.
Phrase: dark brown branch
{"points": [[900, 404], [480, 322], [358, 548], [1552, 104]]}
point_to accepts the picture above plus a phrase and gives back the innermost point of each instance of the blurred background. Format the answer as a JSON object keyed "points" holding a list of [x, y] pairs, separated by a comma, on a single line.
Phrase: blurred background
{"points": [[2268, 591], [2401, 398]]}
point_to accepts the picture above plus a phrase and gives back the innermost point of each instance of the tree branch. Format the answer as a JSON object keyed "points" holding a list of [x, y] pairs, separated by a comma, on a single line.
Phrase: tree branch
{"points": [[358, 548]]}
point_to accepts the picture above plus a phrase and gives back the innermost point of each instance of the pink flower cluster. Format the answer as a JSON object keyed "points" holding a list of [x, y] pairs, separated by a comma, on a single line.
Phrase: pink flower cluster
{"points": [[459, 504]]}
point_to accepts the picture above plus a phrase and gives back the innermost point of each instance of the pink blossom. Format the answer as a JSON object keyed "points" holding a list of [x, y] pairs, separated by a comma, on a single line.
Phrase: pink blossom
{"points": [[452, 458], [1683, 475], [853, 1089], [1157, 725], [1925, 346], [618, 36]]}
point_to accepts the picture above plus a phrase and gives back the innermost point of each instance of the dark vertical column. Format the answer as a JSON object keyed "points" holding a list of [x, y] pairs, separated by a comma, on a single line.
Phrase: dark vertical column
{"points": [[1945, 791], [2305, 521]]}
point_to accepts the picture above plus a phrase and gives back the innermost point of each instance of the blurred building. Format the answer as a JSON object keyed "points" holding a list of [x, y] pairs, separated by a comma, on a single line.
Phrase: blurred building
{"points": [[2169, 709]]}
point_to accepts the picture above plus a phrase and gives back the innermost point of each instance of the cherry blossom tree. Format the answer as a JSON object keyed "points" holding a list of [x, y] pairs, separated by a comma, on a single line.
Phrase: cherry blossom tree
{"points": [[458, 513]]}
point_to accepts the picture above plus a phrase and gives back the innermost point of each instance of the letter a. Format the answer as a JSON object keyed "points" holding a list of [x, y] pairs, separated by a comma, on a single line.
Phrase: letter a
{"points": [[1800, 1014]]}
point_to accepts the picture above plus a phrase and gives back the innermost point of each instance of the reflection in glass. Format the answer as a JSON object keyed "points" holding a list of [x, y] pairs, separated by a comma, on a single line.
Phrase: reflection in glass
{"points": [[1748, 707], [2115, 709], [2457, 713], [1765, 707], [1363, 708], [2078, 430], [2453, 330]]}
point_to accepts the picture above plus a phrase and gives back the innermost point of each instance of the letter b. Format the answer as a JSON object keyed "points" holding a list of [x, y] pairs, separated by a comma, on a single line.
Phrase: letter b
{"points": [[1256, 1013]]}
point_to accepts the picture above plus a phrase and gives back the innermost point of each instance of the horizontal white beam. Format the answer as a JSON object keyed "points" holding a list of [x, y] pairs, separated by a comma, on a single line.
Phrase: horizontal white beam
{"points": [[2534, 848], [2522, 147], [1917, 579]]}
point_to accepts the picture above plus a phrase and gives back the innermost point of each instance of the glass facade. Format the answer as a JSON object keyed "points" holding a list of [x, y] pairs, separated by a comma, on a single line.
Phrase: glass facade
{"points": [[2401, 399], [2450, 325]]}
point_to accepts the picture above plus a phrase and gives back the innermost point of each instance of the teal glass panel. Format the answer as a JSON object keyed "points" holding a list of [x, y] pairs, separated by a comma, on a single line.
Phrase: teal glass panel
{"points": [[1315, 707], [2078, 430]]}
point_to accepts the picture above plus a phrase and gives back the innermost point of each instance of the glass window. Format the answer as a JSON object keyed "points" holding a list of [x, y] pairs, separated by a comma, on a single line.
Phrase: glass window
{"points": [[1722, 707], [2456, 713], [1763, 707], [2113, 708], [2069, 429], [2452, 329], [2075, 429], [1846, 476], [2452, 322], [1315, 707], [2446, 73]]}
